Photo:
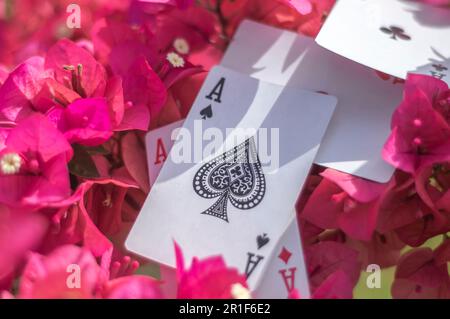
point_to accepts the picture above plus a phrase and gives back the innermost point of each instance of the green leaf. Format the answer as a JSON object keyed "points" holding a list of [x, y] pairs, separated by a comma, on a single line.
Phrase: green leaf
{"points": [[96, 150], [82, 164]]}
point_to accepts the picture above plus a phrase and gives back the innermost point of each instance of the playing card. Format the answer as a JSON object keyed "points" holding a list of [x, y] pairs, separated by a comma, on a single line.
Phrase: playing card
{"points": [[392, 36], [366, 99], [286, 269], [158, 143], [231, 179]]}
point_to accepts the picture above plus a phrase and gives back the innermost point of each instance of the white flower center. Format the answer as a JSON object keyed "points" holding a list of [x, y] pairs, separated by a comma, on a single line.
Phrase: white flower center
{"points": [[10, 163], [107, 202], [174, 59], [181, 45], [240, 292]]}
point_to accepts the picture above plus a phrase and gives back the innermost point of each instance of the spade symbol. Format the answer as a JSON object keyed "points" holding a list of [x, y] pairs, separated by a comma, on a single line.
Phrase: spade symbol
{"points": [[206, 112], [261, 241], [395, 32], [234, 176]]}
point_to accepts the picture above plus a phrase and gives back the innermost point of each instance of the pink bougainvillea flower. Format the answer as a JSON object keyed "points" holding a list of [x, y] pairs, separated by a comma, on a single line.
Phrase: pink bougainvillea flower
{"points": [[134, 158], [209, 278], [76, 68], [437, 2], [442, 252], [114, 98], [186, 31], [132, 287], [67, 272], [337, 286], [175, 67], [79, 75], [418, 276], [302, 6], [20, 87], [142, 86], [68, 73], [420, 125], [3, 74], [273, 12], [325, 258], [423, 228], [95, 210], [311, 184], [73, 225], [20, 232], [117, 44], [33, 164], [346, 202], [105, 202], [170, 113], [358, 188], [400, 205], [433, 186], [122, 266], [84, 121], [406, 209], [184, 91], [30, 27], [182, 4], [147, 66], [383, 249], [311, 23], [126, 53]]}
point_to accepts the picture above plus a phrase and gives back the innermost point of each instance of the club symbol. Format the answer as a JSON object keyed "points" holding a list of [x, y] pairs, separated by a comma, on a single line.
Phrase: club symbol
{"points": [[236, 176], [206, 112], [261, 241], [396, 32], [439, 67]]}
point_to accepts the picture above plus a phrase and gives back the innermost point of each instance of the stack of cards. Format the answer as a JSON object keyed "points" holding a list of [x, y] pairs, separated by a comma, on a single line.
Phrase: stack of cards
{"points": [[229, 182], [225, 180]]}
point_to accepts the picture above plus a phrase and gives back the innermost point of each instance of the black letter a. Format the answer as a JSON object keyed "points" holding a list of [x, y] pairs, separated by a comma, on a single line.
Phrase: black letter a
{"points": [[217, 91], [252, 263]]}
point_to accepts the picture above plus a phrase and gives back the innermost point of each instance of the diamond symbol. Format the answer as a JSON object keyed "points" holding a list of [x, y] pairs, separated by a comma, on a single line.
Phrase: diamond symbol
{"points": [[285, 255]]}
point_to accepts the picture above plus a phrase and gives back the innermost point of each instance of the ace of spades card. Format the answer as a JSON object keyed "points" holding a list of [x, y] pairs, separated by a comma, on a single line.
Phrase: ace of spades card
{"points": [[230, 182], [285, 270], [392, 36]]}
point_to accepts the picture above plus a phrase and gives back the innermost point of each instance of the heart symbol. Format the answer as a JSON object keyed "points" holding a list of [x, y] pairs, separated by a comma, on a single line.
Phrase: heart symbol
{"points": [[206, 112], [261, 241]]}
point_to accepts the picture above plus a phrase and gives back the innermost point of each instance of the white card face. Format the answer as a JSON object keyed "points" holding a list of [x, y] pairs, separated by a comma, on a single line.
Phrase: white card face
{"points": [[361, 122], [286, 269], [233, 199], [158, 143], [392, 36]]}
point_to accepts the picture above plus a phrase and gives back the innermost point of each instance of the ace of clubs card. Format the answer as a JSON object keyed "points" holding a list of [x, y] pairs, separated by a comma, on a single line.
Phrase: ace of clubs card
{"points": [[391, 36]]}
